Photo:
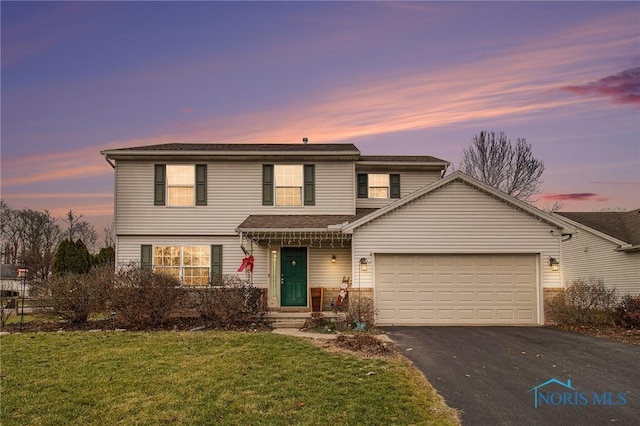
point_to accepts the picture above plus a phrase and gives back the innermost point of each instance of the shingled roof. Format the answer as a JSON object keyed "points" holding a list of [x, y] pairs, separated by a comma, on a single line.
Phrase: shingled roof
{"points": [[624, 226], [299, 221], [246, 147]]}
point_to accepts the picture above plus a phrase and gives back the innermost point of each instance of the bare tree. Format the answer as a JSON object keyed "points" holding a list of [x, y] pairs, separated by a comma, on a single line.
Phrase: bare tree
{"points": [[10, 234], [39, 239], [109, 235], [80, 229], [493, 160]]}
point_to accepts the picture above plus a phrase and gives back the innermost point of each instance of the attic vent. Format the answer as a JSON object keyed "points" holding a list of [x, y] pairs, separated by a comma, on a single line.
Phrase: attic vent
{"points": [[305, 140]]}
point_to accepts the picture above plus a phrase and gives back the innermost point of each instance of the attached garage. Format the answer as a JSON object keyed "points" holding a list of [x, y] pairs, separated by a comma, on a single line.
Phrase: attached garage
{"points": [[460, 289], [457, 252]]}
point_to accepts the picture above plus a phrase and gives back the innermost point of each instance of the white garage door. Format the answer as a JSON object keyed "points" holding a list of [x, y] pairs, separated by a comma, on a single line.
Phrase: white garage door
{"points": [[456, 289]]}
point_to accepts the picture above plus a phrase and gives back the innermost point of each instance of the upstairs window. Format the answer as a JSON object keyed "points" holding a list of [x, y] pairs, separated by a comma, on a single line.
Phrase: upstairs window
{"points": [[180, 185], [377, 185], [288, 185]]}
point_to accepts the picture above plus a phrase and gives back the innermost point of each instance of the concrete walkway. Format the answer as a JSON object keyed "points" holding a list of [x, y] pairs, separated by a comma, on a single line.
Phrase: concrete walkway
{"points": [[320, 336]]}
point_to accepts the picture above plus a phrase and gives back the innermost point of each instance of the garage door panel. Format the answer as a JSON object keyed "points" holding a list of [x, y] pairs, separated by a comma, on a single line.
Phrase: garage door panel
{"points": [[456, 289]]}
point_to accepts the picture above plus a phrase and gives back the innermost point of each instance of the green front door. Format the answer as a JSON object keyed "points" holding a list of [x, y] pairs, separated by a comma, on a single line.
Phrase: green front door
{"points": [[293, 278]]}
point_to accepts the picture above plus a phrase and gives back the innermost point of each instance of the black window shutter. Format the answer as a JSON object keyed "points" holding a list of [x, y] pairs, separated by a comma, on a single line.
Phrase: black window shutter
{"points": [[159, 183], [394, 186], [267, 184], [363, 184], [145, 256], [216, 261], [309, 185], [201, 184]]}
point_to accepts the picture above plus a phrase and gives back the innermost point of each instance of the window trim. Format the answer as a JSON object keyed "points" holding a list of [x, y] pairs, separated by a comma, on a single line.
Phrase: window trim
{"points": [[150, 263]]}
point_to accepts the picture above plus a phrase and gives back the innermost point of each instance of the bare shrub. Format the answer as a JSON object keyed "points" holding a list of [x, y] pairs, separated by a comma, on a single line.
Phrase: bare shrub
{"points": [[142, 298], [362, 311], [365, 343], [584, 302], [627, 312], [7, 307], [74, 297], [231, 302]]}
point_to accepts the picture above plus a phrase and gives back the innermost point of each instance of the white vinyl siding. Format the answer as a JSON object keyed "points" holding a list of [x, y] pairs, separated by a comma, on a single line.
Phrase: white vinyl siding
{"points": [[457, 218], [588, 255], [323, 273], [409, 182], [128, 250], [234, 191]]}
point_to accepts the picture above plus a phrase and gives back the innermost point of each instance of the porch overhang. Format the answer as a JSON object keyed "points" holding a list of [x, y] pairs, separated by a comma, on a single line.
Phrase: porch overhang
{"points": [[298, 229]]}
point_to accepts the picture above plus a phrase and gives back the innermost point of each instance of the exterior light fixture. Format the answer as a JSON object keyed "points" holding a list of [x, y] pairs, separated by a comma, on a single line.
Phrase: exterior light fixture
{"points": [[555, 265], [333, 258], [363, 264]]}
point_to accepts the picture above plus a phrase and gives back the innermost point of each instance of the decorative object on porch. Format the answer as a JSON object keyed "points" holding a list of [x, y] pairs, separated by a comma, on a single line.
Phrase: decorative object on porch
{"points": [[317, 296], [344, 291], [247, 264]]}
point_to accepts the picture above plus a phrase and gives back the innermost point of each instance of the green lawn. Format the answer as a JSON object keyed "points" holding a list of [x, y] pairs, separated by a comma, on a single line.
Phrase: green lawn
{"points": [[204, 378]]}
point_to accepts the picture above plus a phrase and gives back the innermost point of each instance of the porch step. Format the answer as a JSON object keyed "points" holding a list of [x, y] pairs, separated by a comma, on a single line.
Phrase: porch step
{"points": [[283, 323], [295, 319]]}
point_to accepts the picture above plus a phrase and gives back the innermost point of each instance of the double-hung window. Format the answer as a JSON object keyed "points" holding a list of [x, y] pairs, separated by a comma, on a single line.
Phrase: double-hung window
{"points": [[288, 185], [180, 185], [189, 264], [378, 185]]}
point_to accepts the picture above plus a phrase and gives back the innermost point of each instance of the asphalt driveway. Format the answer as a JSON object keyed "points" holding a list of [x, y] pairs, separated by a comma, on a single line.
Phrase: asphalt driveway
{"points": [[490, 374]]}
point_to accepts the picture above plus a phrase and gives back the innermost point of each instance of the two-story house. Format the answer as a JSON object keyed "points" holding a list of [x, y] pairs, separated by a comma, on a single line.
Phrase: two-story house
{"points": [[428, 249]]}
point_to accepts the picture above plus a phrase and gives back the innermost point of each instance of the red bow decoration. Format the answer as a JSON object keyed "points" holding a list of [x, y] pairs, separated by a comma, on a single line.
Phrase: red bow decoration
{"points": [[247, 263]]}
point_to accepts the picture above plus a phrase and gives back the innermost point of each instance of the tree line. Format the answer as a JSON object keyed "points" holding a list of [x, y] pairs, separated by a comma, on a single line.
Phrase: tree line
{"points": [[45, 244]]}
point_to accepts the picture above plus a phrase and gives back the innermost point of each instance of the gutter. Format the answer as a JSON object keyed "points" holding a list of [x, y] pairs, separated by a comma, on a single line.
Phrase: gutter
{"points": [[108, 160]]}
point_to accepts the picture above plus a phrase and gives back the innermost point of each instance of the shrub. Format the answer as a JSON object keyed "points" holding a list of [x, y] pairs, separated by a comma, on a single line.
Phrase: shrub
{"points": [[230, 302], [627, 312], [74, 297], [142, 298], [584, 302], [361, 311], [364, 343]]}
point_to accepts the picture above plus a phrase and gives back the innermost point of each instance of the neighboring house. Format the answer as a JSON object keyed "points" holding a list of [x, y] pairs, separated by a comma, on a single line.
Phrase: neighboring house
{"points": [[428, 249], [11, 284], [607, 246]]}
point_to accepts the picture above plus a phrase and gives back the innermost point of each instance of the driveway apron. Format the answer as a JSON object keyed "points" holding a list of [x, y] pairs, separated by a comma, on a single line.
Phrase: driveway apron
{"points": [[497, 375]]}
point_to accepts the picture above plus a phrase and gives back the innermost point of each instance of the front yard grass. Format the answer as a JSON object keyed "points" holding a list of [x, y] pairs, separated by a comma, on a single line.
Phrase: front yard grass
{"points": [[205, 378]]}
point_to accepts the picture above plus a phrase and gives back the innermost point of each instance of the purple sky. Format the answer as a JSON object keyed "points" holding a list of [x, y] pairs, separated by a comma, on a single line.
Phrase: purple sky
{"points": [[394, 78]]}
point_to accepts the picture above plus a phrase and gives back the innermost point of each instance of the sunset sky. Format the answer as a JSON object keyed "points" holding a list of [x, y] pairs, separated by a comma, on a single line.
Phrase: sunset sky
{"points": [[419, 78]]}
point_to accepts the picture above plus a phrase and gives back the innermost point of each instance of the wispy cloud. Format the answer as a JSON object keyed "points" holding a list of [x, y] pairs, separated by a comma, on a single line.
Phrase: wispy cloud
{"points": [[504, 87], [580, 196], [621, 88]]}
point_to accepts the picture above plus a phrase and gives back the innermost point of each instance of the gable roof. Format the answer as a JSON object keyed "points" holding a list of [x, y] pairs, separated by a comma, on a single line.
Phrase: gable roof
{"points": [[461, 177], [619, 227]]}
